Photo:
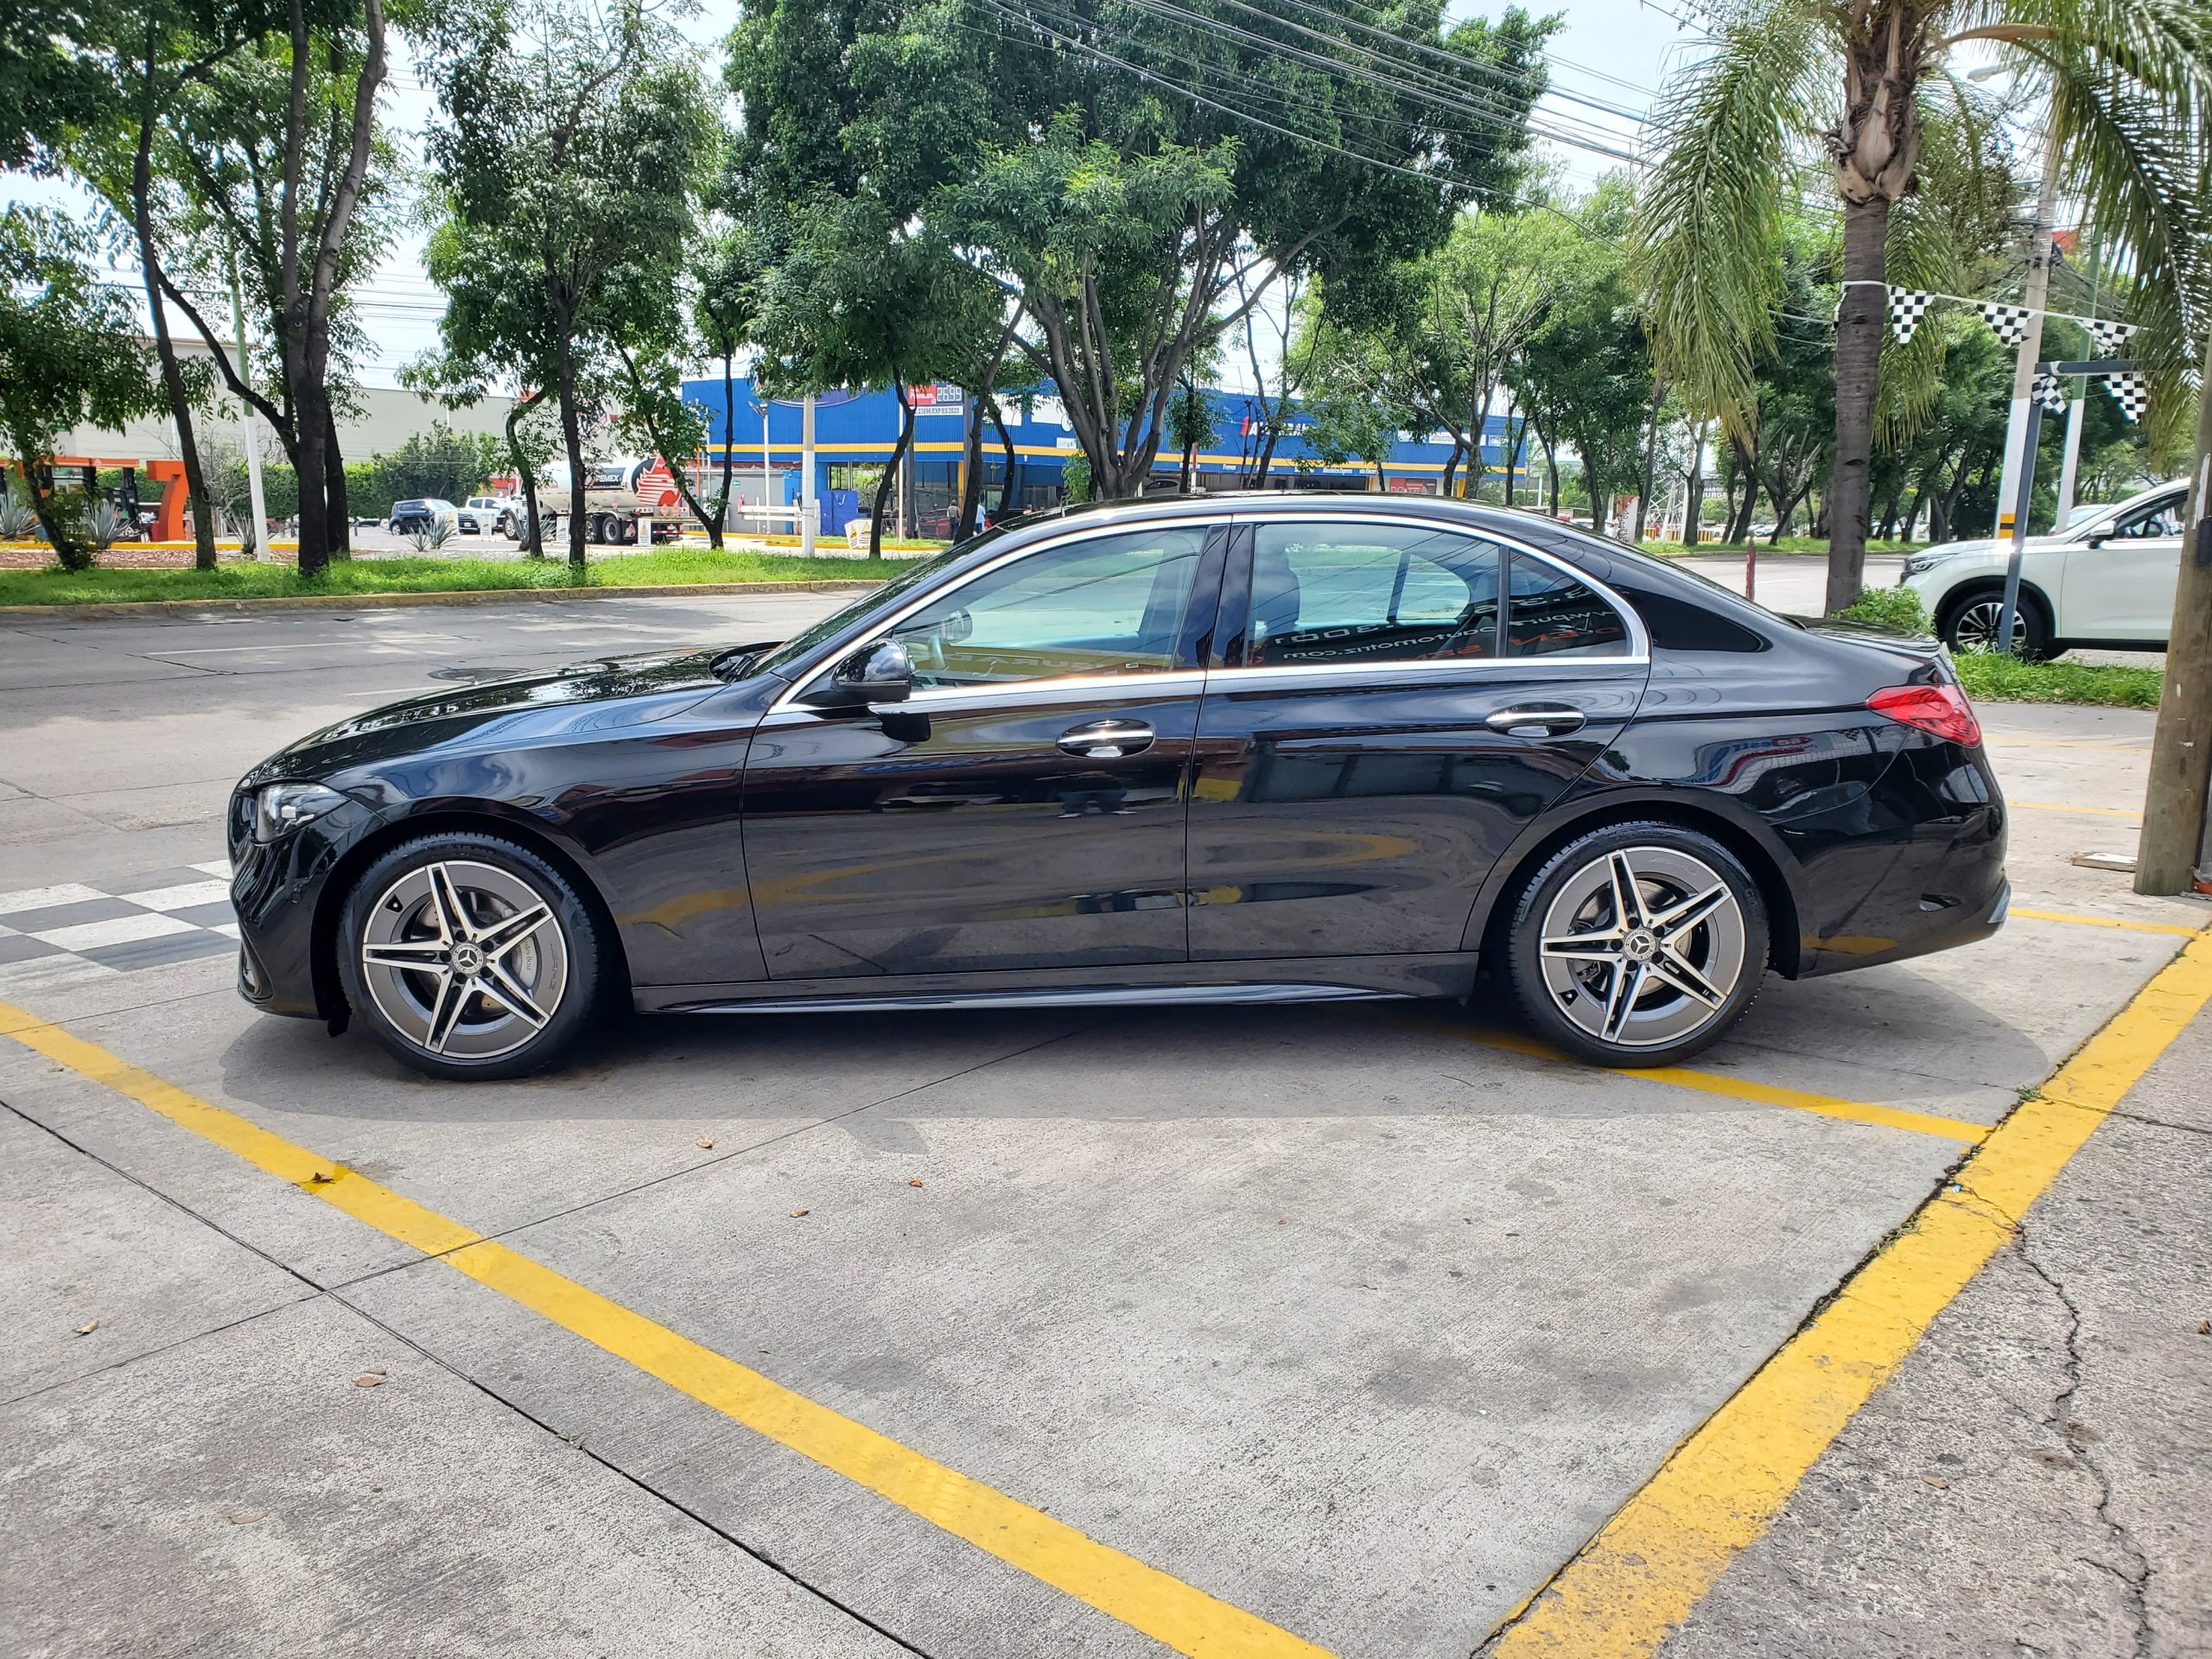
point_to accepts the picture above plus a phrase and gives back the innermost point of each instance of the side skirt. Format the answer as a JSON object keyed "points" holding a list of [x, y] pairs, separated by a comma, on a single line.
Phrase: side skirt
{"points": [[1324, 979]]}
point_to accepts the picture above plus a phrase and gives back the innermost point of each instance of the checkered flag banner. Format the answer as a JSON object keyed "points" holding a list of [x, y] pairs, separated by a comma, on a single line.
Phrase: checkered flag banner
{"points": [[2109, 336], [1907, 307], [2051, 392], [2011, 322], [2131, 391]]}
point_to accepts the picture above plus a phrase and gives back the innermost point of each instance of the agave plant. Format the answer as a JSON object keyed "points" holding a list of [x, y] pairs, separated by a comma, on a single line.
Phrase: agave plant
{"points": [[17, 521], [431, 536], [106, 525], [242, 525], [1866, 92]]}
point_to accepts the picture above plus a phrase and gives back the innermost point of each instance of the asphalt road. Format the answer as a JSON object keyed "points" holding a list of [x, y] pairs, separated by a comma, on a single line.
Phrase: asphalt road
{"points": [[1354, 1319]]}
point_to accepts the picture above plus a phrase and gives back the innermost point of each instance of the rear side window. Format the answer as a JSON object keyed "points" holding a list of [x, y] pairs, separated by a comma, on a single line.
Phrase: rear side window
{"points": [[1551, 614], [1325, 594]]}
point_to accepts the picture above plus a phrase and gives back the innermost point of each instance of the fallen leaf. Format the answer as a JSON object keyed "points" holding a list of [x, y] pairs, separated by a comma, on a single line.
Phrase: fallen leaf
{"points": [[88, 1327], [705, 1142], [796, 1214], [321, 1178], [246, 1517], [1937, 1482], [914, 1183], [2203, 1327], [368, 1380]]}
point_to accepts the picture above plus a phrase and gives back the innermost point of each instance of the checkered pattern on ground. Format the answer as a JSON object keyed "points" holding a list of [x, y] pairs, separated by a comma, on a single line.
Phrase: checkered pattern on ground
{"points": [[78, 932]]}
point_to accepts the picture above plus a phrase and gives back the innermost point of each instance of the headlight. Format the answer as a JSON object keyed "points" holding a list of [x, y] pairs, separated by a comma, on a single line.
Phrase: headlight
{"points": [[279, 809]]}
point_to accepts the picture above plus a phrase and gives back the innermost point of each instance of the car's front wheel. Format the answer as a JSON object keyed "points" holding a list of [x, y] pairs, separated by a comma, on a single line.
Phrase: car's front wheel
{"points": [[1637, 944], [1972, 623], [470, 957]]}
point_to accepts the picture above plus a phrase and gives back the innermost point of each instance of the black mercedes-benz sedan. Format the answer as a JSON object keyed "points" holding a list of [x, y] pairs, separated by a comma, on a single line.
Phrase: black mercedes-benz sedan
{"points": [[1235, 748]]}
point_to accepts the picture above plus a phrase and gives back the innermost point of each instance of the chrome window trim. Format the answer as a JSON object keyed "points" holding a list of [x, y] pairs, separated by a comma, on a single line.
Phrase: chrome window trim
{"points": [[1069, 688], [1639, 637], [788, 699], [1425, 670]]}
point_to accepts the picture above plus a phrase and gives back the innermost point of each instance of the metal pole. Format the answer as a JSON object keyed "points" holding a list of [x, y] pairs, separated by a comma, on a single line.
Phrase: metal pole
{"points": [[2071, 467], [2020, 499], [2009, 495], [807, 515], [246, 419], [767, 485]]}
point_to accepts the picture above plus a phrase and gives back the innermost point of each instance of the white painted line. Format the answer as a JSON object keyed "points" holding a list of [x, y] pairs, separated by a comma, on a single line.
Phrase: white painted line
{"points": [[88, 936], [210, 891]]}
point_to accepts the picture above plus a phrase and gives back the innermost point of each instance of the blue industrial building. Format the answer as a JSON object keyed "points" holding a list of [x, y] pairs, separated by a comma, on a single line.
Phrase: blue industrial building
{"points": [[859, 430]]}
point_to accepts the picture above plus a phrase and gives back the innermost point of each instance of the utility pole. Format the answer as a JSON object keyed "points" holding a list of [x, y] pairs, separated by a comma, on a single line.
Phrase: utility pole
{"points": [[2172, 848], [2071, 467], [2012, 518], [246, 419], [807, 515]]}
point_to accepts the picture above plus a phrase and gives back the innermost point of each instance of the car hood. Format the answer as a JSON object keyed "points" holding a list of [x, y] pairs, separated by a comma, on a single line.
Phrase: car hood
{"points": [[603, 694]]}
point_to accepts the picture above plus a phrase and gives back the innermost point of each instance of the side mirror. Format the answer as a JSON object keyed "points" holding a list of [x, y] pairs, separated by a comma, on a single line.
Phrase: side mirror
{"points": [[878, 672], [2098, 540]]}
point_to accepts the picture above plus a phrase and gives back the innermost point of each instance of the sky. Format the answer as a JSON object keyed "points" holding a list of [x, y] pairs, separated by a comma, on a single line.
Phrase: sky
{"points": [[1613, 52]]}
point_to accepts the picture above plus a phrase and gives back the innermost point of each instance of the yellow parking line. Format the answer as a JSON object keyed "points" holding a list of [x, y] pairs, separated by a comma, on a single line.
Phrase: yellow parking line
{"points": [[1177, 1614], [1761, 1094], [1635, 1581], [2174, 928], [2089, 811]]}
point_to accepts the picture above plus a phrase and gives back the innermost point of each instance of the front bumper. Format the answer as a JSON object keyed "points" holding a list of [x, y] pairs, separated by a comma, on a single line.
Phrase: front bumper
{"points": [[277, 889]]}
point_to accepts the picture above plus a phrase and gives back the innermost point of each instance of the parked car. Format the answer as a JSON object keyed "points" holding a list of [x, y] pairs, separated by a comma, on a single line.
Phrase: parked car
{"points": [[503, 514], [2107, 579], [408, 516], [1217, 749]]}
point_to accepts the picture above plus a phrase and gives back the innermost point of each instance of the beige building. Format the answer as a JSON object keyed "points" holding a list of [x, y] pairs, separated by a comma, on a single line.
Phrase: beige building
{"points": [[383, 418]]}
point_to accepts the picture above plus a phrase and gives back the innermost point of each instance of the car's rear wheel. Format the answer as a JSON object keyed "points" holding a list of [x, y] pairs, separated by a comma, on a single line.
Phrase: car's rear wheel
{"points": [[1971, 622], [1637, 944], [470, 957]]}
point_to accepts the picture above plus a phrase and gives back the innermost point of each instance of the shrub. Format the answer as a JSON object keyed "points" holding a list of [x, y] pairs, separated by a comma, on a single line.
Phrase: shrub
{"points": [[1895, 609]]}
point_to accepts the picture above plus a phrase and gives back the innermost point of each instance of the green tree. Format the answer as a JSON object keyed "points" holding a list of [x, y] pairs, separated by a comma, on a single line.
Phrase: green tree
{"points": [[1866, 90], [1091, 161], [571, 147], [50, 83], [726, 275], [69, 352]]}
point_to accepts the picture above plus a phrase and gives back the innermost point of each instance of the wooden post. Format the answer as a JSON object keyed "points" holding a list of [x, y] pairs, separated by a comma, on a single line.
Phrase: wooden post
{"points": [[2171, 849]]}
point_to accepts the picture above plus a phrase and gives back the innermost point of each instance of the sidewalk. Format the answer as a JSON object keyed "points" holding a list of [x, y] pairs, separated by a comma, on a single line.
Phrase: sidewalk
{"points": [[2037, 1477]]}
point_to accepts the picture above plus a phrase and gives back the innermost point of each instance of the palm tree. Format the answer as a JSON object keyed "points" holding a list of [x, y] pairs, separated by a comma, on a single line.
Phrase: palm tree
{"points": [[1794, 89]]}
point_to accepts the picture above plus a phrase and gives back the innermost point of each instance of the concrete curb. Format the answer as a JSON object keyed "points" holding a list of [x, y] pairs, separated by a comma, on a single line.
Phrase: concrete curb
{"points": [[119, 609]]}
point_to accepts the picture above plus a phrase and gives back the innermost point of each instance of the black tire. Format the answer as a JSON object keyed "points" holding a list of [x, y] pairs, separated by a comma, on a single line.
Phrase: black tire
{"points": [[1969, 622], [1567, 993], [563, 969]]}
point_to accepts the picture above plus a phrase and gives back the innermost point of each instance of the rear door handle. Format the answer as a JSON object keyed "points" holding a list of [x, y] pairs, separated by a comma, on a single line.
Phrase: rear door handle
{"points": [[1536, 720], [1107, 739]]}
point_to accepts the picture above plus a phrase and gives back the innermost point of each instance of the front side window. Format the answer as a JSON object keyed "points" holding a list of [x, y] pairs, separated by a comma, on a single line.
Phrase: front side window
{"points": [[2159, 518], [1550, 613], [1103, 604], [1325, 593]]}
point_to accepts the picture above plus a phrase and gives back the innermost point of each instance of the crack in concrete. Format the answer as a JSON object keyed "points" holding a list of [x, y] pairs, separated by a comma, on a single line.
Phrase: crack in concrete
{"points": [[2062, 1420]]}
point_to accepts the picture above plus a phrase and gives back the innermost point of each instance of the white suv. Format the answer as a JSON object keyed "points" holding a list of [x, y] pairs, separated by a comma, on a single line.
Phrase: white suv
{"points": [[502, 514], [2107, 579]]}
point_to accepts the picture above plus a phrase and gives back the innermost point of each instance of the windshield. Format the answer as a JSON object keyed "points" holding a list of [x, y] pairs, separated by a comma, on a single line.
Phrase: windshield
{"points": [[785, 658]]}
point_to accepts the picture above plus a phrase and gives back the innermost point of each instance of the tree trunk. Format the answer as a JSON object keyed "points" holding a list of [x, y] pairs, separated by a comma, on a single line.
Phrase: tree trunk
{"points": [[70, 551], [1650, 457], [572, 443], [2181, 744], [1010, 488], [314, 416], [729, 450], [971, 472], [1694, 511], [336, 503], [531, 541], [142, 213], [1445, 485], [890, 472], [1858, 328]]}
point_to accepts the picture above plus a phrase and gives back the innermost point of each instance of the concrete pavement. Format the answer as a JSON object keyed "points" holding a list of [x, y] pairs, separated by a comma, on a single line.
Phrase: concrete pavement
{"points": [[1349, 1317]]}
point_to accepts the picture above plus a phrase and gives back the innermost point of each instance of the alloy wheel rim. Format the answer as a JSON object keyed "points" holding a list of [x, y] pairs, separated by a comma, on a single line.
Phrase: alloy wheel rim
{"points": [[1643, 946], [465, 960], [1978, 624]]}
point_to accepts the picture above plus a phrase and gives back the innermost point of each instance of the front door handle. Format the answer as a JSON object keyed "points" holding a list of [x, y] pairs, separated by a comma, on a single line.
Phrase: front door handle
{"points": [[1107, 739], [1536, 720]]}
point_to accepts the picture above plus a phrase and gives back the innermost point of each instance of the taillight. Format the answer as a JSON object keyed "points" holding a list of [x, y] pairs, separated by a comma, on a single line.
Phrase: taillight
{"points": [[1942, 709]]}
